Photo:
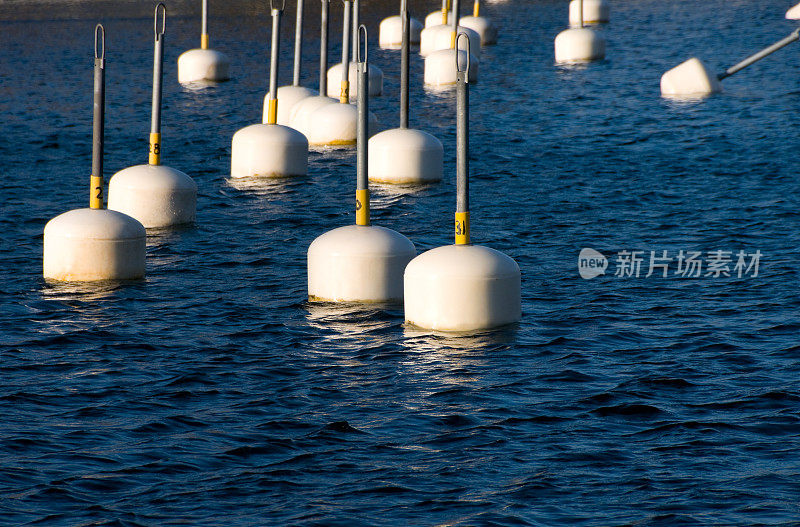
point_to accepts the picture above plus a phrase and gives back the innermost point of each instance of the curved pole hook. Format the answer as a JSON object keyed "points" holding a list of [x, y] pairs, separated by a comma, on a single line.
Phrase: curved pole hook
{"points": [[277, 5], [361, 28], [100, 37], [163, 10], [469, 52]]}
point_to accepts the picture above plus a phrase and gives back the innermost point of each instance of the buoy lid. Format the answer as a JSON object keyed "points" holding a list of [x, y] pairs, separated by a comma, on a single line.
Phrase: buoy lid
{"points": [[363, 240], [406, 139], [463, 262], [274, 134], [793, 13], [154, 176], [95, 224]]}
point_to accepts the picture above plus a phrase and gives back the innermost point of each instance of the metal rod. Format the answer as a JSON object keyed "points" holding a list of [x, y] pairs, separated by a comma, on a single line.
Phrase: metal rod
{"points": [[344, 95], [298, 43], [462, 151], [323, 49], [98, 118], [795, 35], [158, 59], [404, 60], [272, 109], [476, 9], [362, 178], [456, 12], [580, 12], [204, 27], [445, 9], [356, 11]]}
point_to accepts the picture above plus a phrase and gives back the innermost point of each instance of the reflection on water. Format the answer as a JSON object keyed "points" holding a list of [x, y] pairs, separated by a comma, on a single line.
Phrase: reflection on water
{"points": [[265, 186]]}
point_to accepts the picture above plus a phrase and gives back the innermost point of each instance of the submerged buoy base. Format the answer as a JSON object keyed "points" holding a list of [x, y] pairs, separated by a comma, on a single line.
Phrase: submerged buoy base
{"points": [[358, 264], [594, 12], [288, 97], [335, 80], [85, 245], [405, 156], [579, 45], [482, 26], [690, 79], [440, 67], [198, 65], [268, 150], [390, 32], [156, 195], [462, 288]]}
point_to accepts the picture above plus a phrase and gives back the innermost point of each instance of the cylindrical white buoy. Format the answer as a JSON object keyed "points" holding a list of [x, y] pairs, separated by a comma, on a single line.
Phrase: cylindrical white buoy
{"points": [[156, 195], [302, 114], [335, 74], [361, 262], [390, 32], [95, 243], [204, 64], [440, 16], [441, 67], [578, 45], [462, 287], [689, 79], [335, 125], [481, 25], [594, 12], [440, 37], [403, 155], [793, 13], [289, 96], [271, 149]]}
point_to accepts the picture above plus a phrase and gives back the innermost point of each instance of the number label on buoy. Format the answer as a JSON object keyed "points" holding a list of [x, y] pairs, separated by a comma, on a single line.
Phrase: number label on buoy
{"points": [[96, 192], [462, 228], [155, 149]]}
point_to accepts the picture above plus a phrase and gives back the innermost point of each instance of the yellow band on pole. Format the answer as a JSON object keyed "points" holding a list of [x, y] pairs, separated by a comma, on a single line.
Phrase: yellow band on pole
{"points": [[204, 41], [476, 9], [462, 228], [362, 207], [453, 40], [344, 95], [444, 16], [155, 149], [272, 112], [96, 192]]}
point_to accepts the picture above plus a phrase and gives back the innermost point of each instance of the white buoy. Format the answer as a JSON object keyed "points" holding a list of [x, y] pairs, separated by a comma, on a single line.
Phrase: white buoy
{"points": [[579, 44], [443, 16], [289, 96], [361, 262], [335, 125], [594, 12], [440, 37], [156, 195], [95, 243], [793, 13], [375, 73], [481, 25], [390, 32], [270, 149], [302, 115], [462, 287], [204, 64], [692, 80], [441, 67], [403, 155]]}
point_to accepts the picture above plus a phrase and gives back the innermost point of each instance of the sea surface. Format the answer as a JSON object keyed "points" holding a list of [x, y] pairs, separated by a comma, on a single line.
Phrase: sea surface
{"points": [[213, 393]]}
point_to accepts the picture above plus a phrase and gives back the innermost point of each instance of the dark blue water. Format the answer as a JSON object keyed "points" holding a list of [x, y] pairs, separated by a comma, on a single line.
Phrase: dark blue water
{"points": [[212, 393]]}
